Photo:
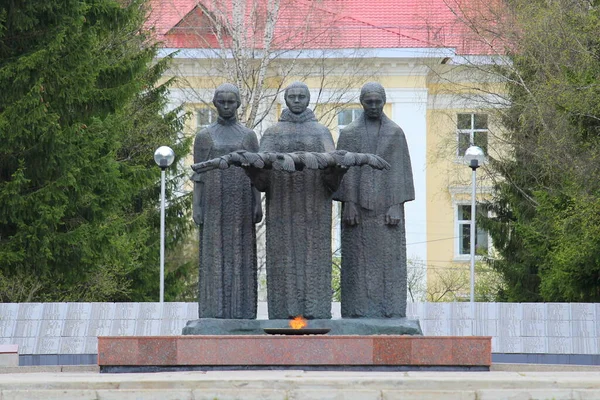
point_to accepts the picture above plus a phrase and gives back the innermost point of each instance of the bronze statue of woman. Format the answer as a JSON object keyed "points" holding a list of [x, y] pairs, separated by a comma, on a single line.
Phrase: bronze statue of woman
{"points": [[373, 278], [226, 207], [298, 214]]}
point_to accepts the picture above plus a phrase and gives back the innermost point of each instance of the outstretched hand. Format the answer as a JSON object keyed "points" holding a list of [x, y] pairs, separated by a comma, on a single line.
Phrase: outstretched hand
{"points": [[350, 215], [393, 215]]}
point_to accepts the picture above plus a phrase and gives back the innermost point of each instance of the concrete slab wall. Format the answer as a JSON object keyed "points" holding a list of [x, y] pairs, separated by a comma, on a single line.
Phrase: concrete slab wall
{"points": [[518, 328]]}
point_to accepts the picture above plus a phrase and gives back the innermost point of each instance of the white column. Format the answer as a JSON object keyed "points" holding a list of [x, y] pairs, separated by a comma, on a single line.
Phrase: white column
{"points": [[409, 110]]}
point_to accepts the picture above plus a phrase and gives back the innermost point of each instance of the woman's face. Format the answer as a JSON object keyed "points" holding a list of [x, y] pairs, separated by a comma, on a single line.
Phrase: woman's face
{"points": [[373, 105], [226, 104], [297, 100]]}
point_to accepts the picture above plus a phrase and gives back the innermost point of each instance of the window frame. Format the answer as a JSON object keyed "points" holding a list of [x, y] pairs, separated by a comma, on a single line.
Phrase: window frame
{"points": [[355, 113], [212, 112], [458, 223], [472, 131]]}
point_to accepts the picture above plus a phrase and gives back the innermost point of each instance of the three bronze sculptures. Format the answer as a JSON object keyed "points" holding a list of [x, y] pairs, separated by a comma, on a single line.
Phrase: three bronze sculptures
{"points": [[300, 171]]}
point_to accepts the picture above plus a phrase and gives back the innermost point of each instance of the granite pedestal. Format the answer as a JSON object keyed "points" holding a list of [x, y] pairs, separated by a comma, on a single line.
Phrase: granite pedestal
{"points": [[310, 352]]}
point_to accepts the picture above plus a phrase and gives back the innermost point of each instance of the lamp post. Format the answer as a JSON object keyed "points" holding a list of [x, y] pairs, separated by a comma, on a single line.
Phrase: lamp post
{"points": [[163, 156], [475, 157]]}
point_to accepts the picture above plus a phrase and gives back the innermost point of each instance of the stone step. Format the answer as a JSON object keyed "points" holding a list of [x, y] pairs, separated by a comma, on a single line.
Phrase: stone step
{"points": [[300, 385], [158, 394]]}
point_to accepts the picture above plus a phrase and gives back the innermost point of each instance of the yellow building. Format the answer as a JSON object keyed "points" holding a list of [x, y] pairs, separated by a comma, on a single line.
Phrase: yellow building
{"points": [[416, 50]]}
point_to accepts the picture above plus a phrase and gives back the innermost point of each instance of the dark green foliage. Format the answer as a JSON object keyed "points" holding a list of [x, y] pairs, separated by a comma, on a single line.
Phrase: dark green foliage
{"points": [[81, 113], [547, 204]]}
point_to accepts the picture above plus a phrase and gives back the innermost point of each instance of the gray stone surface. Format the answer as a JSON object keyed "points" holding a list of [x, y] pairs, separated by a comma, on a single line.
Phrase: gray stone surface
{"points": [[51, 327], [533, 328], [9, 311], [535, 312], [99, 327], [30, 311], [7, 326], [172, 326], [150, 311], [535, 345], [586, 345], [103, 311], [583, 328], [485, 327], [122, 327], [510, 344], [436, 327], [79, 311], [226, 206], [27, 328], [462, 327], [72, 345], [147, 327], [558, 311], [558, 328], [581, 311], [124, 311], [55, 311], [75, 327], [179, 311], [48, 345], [374, 271], [559, 345], [510, 311], [540, 327], [346, 326]]}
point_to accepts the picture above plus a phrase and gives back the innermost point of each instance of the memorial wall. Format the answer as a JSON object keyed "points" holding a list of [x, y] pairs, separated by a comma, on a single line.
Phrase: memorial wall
{"points": [[533, 328]]}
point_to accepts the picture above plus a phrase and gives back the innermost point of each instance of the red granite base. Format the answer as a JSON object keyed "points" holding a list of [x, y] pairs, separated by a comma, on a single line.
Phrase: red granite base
{"points": [[265, 350]]}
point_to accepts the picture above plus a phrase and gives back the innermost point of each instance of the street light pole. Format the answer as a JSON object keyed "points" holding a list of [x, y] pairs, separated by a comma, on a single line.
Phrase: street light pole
{"points": [[475, 157], [163, 156], [473, 232], [162, 234]]}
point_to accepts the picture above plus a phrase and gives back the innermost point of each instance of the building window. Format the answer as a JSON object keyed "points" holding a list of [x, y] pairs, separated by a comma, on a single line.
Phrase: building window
{"points": [[463, 227], [205, 117], [472, 130], [345, 117]]}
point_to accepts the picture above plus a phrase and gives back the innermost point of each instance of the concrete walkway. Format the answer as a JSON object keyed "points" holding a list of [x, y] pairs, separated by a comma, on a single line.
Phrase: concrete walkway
{"points": [[300, 385]]}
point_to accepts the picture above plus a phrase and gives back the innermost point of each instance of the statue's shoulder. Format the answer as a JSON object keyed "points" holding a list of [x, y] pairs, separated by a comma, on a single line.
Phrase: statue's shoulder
{"points": [[203, 137], [270, 138], [320, 128], [249, 139], [245, 130], [273, 130], [353, 128], [391, 128]]}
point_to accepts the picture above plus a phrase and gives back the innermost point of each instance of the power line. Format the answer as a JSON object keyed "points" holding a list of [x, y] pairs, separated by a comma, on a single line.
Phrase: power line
{"points": [[433, 240]]}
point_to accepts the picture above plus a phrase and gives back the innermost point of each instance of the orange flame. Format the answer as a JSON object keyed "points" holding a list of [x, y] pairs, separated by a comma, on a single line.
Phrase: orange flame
{"points": [[298, 323]]}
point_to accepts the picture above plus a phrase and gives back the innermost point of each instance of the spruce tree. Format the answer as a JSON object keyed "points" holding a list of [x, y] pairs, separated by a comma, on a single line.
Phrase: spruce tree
{"points": [[81, 113]]}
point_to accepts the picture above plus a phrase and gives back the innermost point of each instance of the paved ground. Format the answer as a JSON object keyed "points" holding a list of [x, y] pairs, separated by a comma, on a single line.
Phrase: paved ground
{"points": [[564, 382]]}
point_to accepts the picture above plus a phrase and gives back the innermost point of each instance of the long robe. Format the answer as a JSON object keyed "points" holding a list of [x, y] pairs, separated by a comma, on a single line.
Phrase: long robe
{"points": [[298, 218], [228, 267], [373, 276]]}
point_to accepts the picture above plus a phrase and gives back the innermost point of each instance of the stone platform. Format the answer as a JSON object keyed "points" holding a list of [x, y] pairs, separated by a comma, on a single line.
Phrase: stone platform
{"points": [[346, 326], [307, 352]]}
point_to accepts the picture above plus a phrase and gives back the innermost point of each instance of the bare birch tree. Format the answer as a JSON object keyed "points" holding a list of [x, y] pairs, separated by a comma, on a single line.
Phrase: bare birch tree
{"points": [[260, 45]]}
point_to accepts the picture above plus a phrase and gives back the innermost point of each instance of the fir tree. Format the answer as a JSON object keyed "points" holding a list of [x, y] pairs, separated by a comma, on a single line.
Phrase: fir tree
{"points": [[81, 113]]}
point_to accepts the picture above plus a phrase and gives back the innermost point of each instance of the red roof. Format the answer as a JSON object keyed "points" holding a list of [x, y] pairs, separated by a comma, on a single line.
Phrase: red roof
{"points": [[340, 24]]}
